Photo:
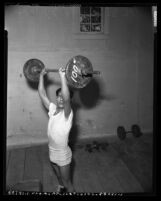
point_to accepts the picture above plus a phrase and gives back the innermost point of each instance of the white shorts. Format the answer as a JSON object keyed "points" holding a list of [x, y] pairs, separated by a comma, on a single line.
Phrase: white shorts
{"points": [[60, 156]]}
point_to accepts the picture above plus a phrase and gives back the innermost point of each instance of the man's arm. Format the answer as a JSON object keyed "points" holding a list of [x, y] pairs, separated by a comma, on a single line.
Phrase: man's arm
{"points": [[65, 93], [42, 91]]}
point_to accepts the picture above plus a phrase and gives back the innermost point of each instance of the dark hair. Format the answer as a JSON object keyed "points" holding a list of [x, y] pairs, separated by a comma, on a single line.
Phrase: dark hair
{"points": [[59, 90]]}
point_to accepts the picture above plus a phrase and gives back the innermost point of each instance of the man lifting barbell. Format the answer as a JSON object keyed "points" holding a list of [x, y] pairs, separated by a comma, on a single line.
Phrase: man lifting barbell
{"points": [[77, 74], [59, 125]]}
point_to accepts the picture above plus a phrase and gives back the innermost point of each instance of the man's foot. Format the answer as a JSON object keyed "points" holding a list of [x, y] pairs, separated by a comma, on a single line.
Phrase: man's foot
{"points": [[61, 189]]}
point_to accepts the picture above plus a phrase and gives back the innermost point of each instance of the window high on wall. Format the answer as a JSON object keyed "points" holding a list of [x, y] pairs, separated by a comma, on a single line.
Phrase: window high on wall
{"points": [[91, 20]]}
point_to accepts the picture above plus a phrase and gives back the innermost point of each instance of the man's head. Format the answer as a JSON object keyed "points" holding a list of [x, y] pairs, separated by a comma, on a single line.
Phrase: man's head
{"points": [[59, 98]]}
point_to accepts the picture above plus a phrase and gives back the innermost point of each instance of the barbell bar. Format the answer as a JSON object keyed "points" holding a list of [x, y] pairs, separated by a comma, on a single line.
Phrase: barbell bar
{"points": [[78, 71], [82, 72]]}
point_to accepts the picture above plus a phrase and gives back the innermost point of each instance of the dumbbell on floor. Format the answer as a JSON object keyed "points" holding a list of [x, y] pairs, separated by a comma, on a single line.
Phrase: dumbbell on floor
{"points": [[135, 130]]}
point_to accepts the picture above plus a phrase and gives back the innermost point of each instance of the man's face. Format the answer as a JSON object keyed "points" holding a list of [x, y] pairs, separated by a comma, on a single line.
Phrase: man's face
{"points": [[59, 100]]}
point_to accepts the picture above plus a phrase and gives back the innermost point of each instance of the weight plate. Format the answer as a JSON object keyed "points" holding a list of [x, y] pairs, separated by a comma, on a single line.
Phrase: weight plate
{"points": [[136, 130], [32, 69], [74, 68], [121, 133]]}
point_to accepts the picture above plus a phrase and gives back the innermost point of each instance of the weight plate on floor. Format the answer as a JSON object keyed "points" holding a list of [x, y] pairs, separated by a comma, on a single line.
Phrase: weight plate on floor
{"points": [[136, 130], [121, 133]]}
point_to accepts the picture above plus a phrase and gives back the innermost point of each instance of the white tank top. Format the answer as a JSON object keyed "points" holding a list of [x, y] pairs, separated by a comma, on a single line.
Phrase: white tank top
{"points": [[58, 128]]}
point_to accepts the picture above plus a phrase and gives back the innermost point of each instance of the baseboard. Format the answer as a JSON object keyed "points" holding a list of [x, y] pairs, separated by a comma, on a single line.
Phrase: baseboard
{"points": [[29, 141], [25, 141]]}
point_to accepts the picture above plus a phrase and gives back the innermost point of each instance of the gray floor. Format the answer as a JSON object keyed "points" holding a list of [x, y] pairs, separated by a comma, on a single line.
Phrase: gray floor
{"points": [[118, 166]]}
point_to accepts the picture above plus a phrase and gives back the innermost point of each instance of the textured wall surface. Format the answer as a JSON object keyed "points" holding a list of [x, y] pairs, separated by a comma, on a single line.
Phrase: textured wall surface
{"points": [[122, 95]]}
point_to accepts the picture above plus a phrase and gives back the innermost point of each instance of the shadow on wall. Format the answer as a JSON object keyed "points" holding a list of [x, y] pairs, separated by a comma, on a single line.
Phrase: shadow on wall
{"points": [[93, 94], [86, 97], [89, 95]]}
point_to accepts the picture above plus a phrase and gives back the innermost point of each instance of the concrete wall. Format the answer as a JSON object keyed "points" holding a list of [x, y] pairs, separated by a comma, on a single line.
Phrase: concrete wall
{"points": [[122, 95]]}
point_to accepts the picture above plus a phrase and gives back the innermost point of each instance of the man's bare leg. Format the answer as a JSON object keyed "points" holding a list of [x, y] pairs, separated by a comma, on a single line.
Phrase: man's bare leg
{"points": [[66, 177]]}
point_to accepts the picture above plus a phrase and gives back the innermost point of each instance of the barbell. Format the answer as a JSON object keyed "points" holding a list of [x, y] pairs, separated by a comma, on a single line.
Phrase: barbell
{"points": [[78, 71], [135, 130]]}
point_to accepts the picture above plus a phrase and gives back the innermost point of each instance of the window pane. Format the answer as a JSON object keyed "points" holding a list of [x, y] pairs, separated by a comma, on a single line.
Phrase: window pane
{"points": [[96, 27], [96, 19], [85, 27], [95, 11], [85, 10], [84, 19]]}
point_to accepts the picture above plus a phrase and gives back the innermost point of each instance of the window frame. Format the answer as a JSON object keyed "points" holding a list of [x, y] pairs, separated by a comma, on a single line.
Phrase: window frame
{"points": [[101, 22], [90, 35]]}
